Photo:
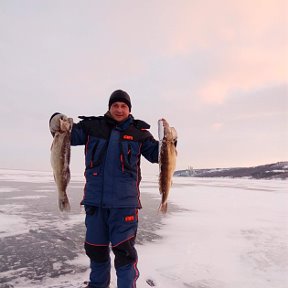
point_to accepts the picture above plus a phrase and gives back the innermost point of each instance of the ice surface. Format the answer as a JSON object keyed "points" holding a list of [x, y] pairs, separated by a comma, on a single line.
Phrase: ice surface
{"points": [[12, 225], [226, 233], [234, 234]]}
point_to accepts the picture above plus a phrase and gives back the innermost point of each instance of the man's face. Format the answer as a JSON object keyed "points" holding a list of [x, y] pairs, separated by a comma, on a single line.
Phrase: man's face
{"points": [[119, 111]]}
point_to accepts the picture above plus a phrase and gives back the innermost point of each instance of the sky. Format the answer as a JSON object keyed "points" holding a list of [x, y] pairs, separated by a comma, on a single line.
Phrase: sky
{"points": [[216, 70]]}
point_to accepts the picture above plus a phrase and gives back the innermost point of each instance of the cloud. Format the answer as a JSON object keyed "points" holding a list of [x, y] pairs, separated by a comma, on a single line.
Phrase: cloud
{"points": [[216, 70], [216, 126], [244, 43]]}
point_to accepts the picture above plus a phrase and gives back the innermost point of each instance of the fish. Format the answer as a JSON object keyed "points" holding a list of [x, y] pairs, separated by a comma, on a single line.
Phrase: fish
{"points": [[167, 160], [60, 160]]}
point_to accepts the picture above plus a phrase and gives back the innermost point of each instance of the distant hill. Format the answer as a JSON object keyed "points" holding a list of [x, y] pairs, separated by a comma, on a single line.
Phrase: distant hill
{"points": [[269, 171]]}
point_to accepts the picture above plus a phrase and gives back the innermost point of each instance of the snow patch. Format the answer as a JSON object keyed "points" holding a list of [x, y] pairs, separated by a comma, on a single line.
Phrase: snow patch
{"points": [[12, 225]]}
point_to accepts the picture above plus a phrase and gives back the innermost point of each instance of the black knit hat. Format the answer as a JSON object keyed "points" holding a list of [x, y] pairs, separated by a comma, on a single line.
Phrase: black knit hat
{"points": [[120, 96]]}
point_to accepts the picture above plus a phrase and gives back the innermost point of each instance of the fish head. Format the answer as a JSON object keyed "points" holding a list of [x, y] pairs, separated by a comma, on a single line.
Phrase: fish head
{"points": [[160, 129]]}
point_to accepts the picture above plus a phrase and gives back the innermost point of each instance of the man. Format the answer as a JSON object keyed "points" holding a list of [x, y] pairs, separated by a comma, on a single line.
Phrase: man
{"points": [[114, 144]]}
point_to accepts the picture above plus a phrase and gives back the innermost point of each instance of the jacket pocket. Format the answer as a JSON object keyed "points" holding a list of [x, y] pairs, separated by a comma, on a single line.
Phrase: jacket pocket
{"points": [[128, 164], [90, 210], [91, 164], [96, 152]]}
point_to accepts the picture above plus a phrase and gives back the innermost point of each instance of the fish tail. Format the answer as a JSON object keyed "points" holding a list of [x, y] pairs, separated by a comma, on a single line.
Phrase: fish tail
{"points": [[163, 207], [64, 204]]}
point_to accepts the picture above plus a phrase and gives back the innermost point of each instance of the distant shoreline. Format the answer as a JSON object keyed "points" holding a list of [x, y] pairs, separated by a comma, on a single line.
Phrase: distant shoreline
{"points": [[277, 170]]}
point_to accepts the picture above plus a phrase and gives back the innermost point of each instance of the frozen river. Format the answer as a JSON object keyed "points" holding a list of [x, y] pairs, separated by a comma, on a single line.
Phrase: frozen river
{"points": [[219, 233]]}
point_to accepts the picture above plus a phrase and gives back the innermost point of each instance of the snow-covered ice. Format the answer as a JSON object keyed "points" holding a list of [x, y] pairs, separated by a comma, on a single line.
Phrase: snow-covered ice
{"points": [[233, 234], [219, 233]]}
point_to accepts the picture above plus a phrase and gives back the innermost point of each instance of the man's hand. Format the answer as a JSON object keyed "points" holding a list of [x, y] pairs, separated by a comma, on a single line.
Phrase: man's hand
{"points": [[165, 125], [58, 122]]}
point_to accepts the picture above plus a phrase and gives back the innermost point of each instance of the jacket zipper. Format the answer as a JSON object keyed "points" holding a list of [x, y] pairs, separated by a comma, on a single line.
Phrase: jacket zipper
{"points": [[129, 154], [92, 155], [122, 162]]}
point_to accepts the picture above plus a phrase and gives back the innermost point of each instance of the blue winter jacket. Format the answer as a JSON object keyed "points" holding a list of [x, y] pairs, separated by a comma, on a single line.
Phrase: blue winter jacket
{"points": [[112, 159]]}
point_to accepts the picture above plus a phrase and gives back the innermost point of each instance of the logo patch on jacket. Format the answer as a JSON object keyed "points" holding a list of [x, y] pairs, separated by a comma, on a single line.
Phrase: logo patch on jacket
{"points": [[128, 137], [129, 218]]}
